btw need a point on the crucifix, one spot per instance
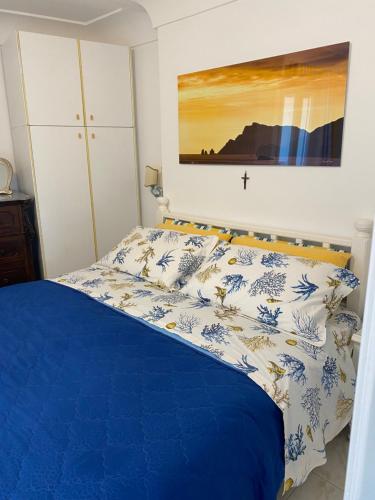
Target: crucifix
(245, 178)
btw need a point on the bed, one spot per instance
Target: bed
(101, 401)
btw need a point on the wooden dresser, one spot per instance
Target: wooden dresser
(17, 239)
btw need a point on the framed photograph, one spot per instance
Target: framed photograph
(286, 110)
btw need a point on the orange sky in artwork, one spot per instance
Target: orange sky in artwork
(306, 89)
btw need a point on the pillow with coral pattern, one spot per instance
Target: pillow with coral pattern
(291, 294)
(166, 258)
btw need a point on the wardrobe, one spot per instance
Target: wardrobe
(71, 114)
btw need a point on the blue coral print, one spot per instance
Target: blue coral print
(234, 282)
(245, 257)
(306, 326)
(347, 277)
(120, 256)
(172, 236)
(200, 302)
(311, 402)
(165, 260)
(218, 253)
(274, 259)
(271, 283)
(295, 368)
(155, 235)
(304, 288)
(170, 298)
(142, 293)
(349, 320)
(104, 297)
(189, 264)
(196, 241)
(330, 376)
(311, 350)
(215, 333)
(244, 365)
(92, 283)
(268, 316)
(186, 323)
(156, 313)
(295, 445)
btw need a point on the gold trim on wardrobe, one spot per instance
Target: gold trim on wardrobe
(87, 151)
(135, 141)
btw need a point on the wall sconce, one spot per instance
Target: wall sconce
(152, 180)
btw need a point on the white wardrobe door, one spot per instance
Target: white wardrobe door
(107, 84)
(114, 184)
(63, 197)
(52, 79)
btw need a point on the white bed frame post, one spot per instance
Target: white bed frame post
(162, 210)
(361, 248)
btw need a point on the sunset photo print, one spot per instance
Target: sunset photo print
(286, 110)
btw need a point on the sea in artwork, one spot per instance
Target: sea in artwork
(285, 110)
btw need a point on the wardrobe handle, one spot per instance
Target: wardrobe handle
(78, 116)
(79, 135)
(93, 136)
(91, 117)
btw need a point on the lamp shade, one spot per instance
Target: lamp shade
(151, 176)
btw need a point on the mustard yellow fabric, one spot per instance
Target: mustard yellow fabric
(321, 254)
(190, 228)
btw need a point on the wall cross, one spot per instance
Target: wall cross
(245, 178)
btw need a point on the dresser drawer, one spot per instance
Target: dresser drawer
(10, 220)
(12, 276)
(12, 249)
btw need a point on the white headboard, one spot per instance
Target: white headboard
(359, 244)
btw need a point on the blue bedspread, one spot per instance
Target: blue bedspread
(97, 405)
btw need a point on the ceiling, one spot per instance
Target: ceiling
(85, 12)
(82, 12)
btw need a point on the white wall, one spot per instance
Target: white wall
(6, 147)
(147, 102)
(314, 199)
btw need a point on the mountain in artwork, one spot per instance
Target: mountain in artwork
(267, 142)
(260, 144)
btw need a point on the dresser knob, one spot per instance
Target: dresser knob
(4, 281)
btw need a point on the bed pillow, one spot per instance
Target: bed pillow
(287, 293)
(340, 259)
(167, 258)
(192, 228)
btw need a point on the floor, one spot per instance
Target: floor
(326, 482)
